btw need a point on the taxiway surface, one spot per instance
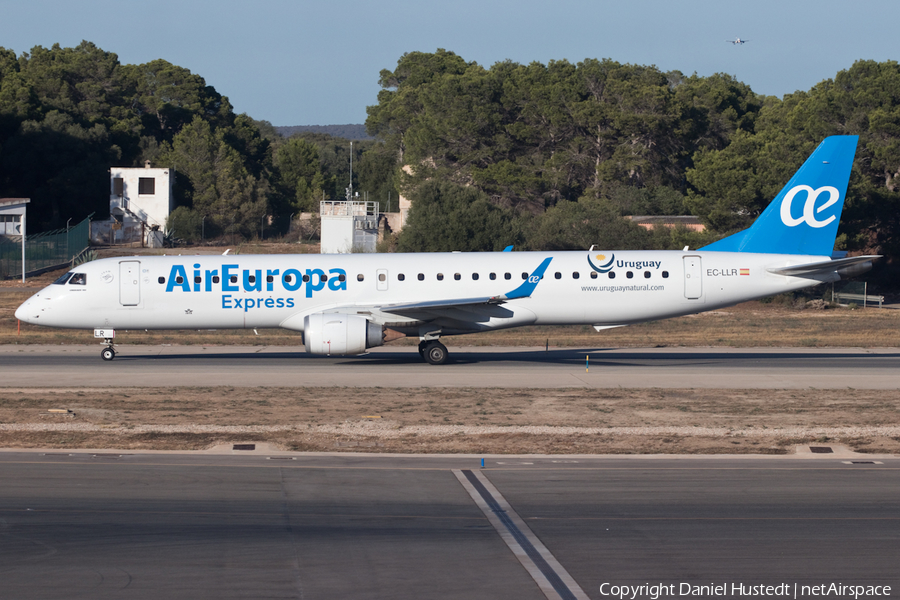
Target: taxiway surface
(772, 368)
(110, 525)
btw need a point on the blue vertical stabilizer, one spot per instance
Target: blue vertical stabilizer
(803, 218)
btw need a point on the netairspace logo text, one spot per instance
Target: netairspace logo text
(737, 590)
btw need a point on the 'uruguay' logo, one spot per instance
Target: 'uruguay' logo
(809, 208)
(605, 267)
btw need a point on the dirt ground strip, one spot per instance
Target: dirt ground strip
(476, 420)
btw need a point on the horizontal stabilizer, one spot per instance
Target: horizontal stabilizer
(823, 267)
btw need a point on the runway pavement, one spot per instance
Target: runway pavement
(257, 525)
(772, 368)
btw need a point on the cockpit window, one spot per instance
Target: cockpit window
(62, 280)
(78, 279)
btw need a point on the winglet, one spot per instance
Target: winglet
(527, 287)
(508, 248)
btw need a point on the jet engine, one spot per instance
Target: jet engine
(334, 333)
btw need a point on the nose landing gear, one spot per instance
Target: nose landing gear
(107, 335)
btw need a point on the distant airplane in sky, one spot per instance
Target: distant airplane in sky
(737, 41)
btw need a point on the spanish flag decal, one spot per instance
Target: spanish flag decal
(745, 271)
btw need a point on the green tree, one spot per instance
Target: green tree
(299, 178)
(446, 217)
(580, 225)
(213, 181)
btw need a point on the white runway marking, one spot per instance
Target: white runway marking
(553, 579)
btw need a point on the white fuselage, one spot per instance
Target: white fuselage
(262, 291)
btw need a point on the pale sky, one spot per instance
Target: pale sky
(298, 62)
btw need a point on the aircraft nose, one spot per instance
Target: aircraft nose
(23, 312)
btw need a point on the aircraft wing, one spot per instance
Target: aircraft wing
(824, 267)
(436, 306)
(523, 291)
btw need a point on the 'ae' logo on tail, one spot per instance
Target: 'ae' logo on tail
(809, 208)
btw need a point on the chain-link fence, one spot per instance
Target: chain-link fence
(43, 250)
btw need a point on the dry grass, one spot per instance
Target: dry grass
(454, 420)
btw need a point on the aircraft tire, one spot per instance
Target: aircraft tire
(107, 354)
(422, 345)
(436, 353)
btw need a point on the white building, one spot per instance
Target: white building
(140, 201)
(348, 226)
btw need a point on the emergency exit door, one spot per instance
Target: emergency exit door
(693, 280)
(130, 282)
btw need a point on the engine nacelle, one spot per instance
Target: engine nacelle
(334, 333)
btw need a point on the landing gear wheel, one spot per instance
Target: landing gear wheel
(422, 345)
(107, 354)
(435, 353)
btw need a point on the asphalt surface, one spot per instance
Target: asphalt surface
(825, 368)
(256, 525)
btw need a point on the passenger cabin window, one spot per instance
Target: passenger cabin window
(269, 279)
(665, 274)
(179, 280)
(360, 277)
(306, 279)
(233, 279)
(215, 278)
(78, 279)
(457, 276)
(287, 279)
(474, 276)
(401, 277)
(646, 274)
(576, 275)
(440, 276)
(507, 276)
(557, 275)
(342, 277)
(612, 274)
(198, 279)
(382, 277)
(62, 280)
(593, 274)
(493, 276)
(161, 280)
(629, 274)
(524, 276)
(421, 276)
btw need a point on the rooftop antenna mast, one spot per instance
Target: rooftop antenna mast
(350, 189)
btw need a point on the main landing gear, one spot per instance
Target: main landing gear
(434, 352)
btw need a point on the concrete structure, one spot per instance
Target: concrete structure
(12, 221)
(348, 226)
(140, 201)
(12, 216)
(649, 222)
